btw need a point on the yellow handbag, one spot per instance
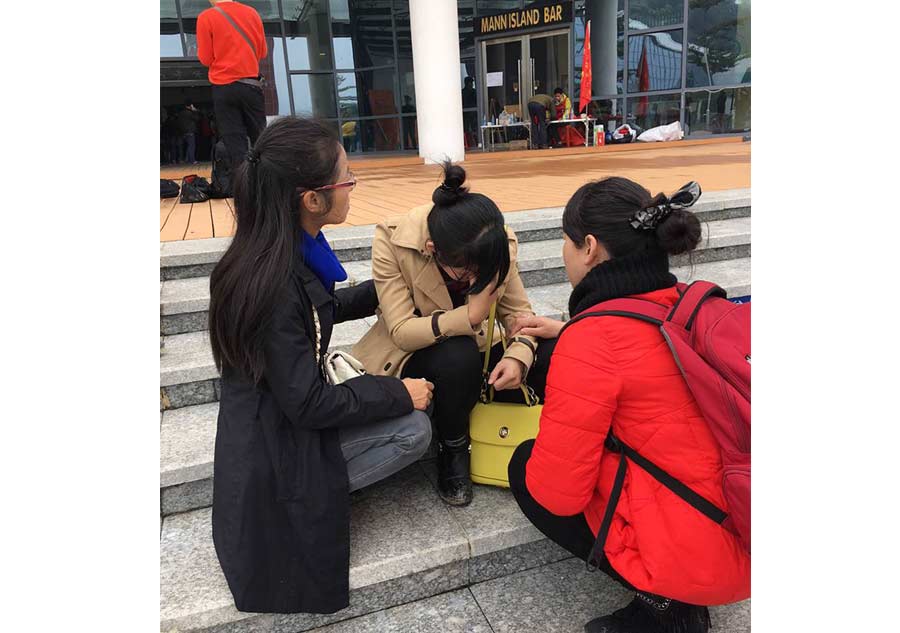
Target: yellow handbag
(497, 428)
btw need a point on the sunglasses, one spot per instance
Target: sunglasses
(338, 185)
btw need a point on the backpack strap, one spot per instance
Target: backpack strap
(639, 309)
(655, 314)
(698, 502)
(685, 310)
(238, 29)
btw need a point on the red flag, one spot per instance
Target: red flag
(643, 83)
(585, 97)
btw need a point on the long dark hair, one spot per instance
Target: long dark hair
(468, 230)
(247, 282)
(605, 209)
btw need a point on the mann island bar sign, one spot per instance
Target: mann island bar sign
(532, 17)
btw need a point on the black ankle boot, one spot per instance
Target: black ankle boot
(649, 613)
(454, 482)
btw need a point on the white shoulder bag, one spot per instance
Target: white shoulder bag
(338, 367)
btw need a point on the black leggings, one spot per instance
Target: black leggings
(572, 533)
(454, 366)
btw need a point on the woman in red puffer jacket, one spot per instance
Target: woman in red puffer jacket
(617, 374)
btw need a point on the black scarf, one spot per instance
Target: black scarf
(622, 277)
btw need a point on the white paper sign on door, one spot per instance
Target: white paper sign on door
(495, 79)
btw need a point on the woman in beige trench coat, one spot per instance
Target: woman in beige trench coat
(438, 270)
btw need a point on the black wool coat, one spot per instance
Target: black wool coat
(281, 509)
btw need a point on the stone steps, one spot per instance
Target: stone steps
(405, 545)
(187, 433)
(416, 563)
(189, 377)
(554, 598)
(196, 258)
(184, 302)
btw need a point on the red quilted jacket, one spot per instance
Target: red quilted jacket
(618, 372)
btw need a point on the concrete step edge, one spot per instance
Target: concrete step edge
(208, 251)
(405, 544)
(186, 358)
(185, 296)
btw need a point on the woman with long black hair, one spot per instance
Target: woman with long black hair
(290, 446)
(438, 271)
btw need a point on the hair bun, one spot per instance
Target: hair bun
(679, 232)
(452, 189)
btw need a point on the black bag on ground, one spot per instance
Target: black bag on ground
(221, 172)
(194, 189)
(168, 188)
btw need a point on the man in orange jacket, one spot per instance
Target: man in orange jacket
(231, 43)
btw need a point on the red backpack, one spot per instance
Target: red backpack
(709, 337)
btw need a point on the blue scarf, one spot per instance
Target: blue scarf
(320, 259)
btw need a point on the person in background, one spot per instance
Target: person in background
(170, 131)
(470, 119)
(410, 136)
(615, 376)
(540, 108)
(290, 446)
(349, 136)
(204, 137)
(188, 120)
(231, 46)
(562, 110)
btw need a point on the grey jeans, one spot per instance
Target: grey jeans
(376, 451)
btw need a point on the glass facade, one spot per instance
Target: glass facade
(682, 60)
(350, 63)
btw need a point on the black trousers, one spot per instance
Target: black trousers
(572, 533)
(454, 367)
(538, 114)
(240, 115)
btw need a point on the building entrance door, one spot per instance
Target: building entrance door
(503, 78)
(514, 69)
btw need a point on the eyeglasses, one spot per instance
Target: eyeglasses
(466, 275)
(338, 185)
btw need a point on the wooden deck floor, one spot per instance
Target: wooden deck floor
(516, 181)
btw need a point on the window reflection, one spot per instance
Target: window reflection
(369, 26)
(610, 113)
(314, 95)
(167, 10)
(308, 37)
(367, 93)
(190, 37)
(607, 46)
(170, 40)
(373, 135)
(496, 6)
(466, 13)
(718, 43)
(717, 112)
(654, 61)
(278, 100)
(649, 14)
(380, 135)
(651, 111)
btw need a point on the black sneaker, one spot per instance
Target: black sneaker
(653, 614)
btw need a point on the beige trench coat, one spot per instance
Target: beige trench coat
(411, 291)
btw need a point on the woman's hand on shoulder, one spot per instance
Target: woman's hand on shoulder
(420, 391)
(539, 327)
